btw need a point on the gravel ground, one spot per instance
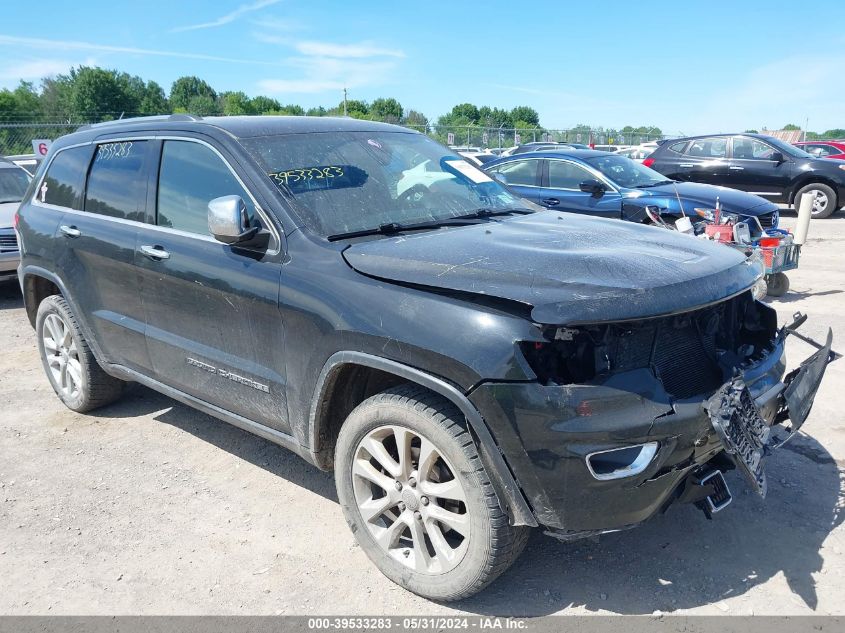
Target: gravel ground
(149, 507)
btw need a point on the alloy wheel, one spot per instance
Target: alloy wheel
(62, 356)
(820, 201)
(410, 499)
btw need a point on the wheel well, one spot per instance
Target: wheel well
(345, 388)
(809, 181)
(35, 290)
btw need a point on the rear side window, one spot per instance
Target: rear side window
(65, 178)
(117, 184)
(191, 175)
(711, 147)
(678, 148)
(520, 172)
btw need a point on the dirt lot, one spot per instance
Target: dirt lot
(149, 507)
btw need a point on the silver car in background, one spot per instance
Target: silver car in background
(14, 182)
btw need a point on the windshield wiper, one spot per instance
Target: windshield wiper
(484, 212)
(655, 184)
(395, 227)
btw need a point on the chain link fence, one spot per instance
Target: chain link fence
(17, 138)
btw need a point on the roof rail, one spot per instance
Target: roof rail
(162, 117)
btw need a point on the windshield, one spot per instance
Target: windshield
(13, 184)
(352, 181)
(786, 148)
(624, 172)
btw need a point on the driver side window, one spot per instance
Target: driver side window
(191, 175)
(566, 175)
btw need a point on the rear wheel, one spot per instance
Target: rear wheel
(417, 498)
(68, 362)
(824, 199)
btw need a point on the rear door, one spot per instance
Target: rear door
(704, 160)
(214, 330)
(522, 175)
(96, 240)
(561, 190)
(753, 170)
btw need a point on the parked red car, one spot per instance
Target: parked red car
(824, 149)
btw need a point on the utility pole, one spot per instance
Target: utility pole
(344, 102)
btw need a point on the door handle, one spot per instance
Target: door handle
(550, 201)
(686, 165)
(156, 253)
(736, 168)
(70, 231)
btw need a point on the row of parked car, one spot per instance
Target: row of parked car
(773, 172)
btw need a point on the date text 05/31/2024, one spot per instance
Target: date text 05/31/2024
(433, 623)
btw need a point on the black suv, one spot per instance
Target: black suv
(759, 164)
(469, 365)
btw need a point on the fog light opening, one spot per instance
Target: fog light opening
(618, 463)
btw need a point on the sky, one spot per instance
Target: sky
(687, 67)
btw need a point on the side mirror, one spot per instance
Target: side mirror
(592, 186)
(777, 157)
(228, 221)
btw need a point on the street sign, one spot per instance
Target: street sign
(485, 139)
(40, 146)
(578, 137)
(516, 138)
(450, 138)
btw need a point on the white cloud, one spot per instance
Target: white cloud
(361, 50)
(53, 45)
(35, 69)
(229, 17)
(325, 74)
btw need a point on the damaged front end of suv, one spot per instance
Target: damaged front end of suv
(653, 368)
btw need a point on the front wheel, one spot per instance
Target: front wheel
(416, 496)
(824, 199)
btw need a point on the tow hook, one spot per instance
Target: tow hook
(708, 491)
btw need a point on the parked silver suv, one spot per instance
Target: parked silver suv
(13, 184)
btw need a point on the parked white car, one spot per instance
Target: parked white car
(14, 182)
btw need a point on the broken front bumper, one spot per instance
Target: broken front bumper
(745, 433)
(549, 432)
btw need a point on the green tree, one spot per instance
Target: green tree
(791, 127)
(752, 132)
(235, 103)
(318, 111)
(21, 104)
(100, 94)
(55, 96)
(466, 111)
(416, 120)
(262, 104)
(526, 115)
(837, 132)
(388, 110)
(153, 100)
(185, 89)
(203, 105)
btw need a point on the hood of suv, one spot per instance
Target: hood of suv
(694, 194)
(568, 268)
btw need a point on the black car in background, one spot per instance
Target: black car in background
(755, 163)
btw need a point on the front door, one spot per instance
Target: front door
(752, 169)
(214, 330)
(562, 190)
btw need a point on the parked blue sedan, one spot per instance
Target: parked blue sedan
(614, 186)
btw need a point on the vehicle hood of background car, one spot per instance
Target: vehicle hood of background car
(695, 194)
(7, 213)
(568, 268)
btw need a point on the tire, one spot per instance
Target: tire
(825, 203)
(70, 365)
(777, 284)
(450, 563)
